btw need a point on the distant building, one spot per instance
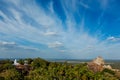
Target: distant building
(16, 63)
(25, 62)
(20, 68)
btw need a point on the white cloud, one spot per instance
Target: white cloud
(84, 5)
(13, 45)
(63, 51)
(50, 7)
(113, 39)
(50, 33)
(7, 43)
(55, 44)
(76, 44)
(28, 48)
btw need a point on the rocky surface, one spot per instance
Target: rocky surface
(98, 64)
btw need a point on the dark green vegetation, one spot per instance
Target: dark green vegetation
(44, 70)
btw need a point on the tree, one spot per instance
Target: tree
(21, 61)
(38, 62)
(11, 74)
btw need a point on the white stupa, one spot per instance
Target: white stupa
(15, 62)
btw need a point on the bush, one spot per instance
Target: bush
(108, 71)
(11, 74)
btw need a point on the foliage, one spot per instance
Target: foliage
(44, 70)
(29, 60)
(38, 62)
(11, 74)
(6, 64)
(21, 61)
(109, 71)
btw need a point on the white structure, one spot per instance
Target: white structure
(25, 62)
(15, 62)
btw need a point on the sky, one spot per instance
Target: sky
(60, 29)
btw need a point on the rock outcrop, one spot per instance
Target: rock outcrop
(96, 65)
(99, 61)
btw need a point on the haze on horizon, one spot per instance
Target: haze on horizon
(64, 29)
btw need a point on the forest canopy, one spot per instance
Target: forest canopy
(40, 69)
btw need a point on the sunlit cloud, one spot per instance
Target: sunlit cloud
(113, 39)
(55, 44)
(48, 33)
(39, 25)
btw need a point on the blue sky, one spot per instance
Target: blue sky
(63, 29)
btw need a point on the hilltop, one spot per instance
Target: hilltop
(40, 69)
(98, 64)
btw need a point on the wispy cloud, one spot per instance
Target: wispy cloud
(113, 39)
(13, 46)
(55, 44)
(35, 24)
(84, 5)
(7, 43)
(50, 33)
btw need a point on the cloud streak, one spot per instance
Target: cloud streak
(37, 25)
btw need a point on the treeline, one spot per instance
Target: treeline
(44, 70)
